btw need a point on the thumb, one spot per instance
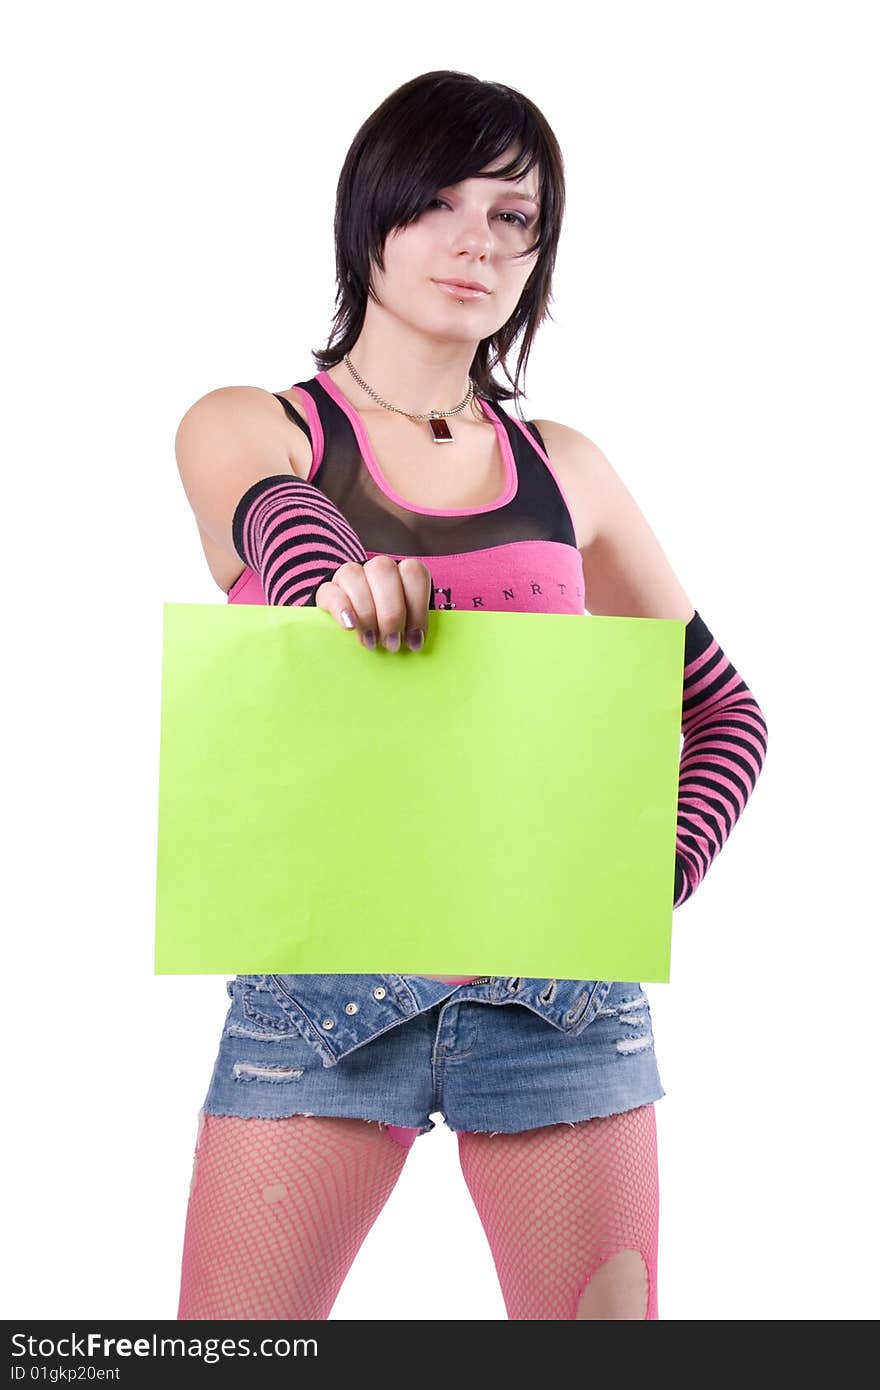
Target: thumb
(333, 600)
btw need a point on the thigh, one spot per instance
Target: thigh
(277, 1211)
(558, 1203)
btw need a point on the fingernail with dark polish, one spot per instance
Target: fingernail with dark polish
(414, 639)
(370, 639)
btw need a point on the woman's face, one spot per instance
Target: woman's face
(469, 231)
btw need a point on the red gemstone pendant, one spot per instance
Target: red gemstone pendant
(440, 430)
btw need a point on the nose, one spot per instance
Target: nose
(474, 236)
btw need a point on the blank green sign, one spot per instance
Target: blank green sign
(501, 803)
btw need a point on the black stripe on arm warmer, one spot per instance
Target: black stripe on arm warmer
(724, 748)
(294, 538)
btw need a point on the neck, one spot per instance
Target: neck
(408, 369)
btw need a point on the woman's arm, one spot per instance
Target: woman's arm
(725, 744)
(293, 537)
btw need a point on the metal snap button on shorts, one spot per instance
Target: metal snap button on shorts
(499, 1054)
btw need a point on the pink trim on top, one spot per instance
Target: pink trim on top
(554, 475)
(314, 422)
(239, 583)
(357, 424)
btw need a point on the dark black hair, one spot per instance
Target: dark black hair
(439, 129)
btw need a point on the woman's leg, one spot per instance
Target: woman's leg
(571, 1215)
(278, 1210)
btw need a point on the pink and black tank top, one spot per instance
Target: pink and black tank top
(517, 554)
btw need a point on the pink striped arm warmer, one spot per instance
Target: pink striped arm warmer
(294, 538)
(724, 747)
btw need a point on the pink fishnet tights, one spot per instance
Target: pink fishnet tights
(278, 1210)
(559, 1201)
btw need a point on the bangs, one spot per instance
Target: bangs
(415, 171)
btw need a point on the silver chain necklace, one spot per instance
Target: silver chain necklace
(436, 419)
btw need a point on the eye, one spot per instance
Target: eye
(518, 220)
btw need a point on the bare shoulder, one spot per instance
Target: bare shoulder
(626, 572)
(255, 413)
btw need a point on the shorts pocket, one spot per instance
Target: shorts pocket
(262, 1034)
(596, 997)
(259, 1006)
(261, 1011)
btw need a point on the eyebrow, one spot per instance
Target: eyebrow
(529, 197)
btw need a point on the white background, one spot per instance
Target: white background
(172, 173)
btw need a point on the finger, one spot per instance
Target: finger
(349, 590)
(418, 588)
(389, 599)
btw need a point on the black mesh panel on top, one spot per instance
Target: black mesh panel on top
(536, 512)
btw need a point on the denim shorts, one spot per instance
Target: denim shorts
(478, 1058)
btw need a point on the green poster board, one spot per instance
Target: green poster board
(502, 802)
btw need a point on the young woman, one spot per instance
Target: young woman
(392, 483)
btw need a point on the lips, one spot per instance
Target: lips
(465, 284)
(459, 293)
